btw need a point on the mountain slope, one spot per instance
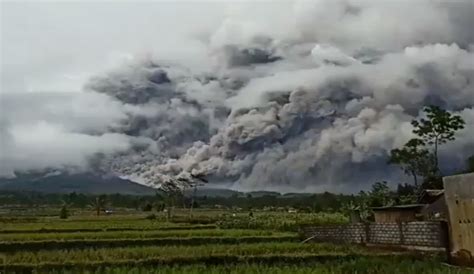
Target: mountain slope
(81, 183)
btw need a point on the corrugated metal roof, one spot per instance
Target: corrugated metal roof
(399, 207)
(428, 196)
(433, 192)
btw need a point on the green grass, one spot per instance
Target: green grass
(20, 237)
(113, 243)
(354, 266)
(138, 253)
(224, 219)
(99, 223)
(154, 227)
(280, 220)
(227, 243)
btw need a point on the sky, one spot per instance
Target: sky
(276, 95)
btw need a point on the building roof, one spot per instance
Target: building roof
(433, 192)
(398, 207)
(428, 196)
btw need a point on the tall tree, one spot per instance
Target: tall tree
(172, 189)
(438, 128)
(192, 180)
(413, 158)
(198, 180)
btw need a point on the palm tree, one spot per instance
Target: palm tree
(172, 191)
(99, 203)
(198, 180)
(175, 188)
(192, 181)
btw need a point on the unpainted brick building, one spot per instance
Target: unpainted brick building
(459, 195)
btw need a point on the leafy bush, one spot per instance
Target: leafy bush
(151, 217)
(63, 213)
(147, 207)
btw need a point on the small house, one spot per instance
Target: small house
(400, 213)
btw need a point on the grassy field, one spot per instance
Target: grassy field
(355, 266)
(223, 219)
(184, 251)
(207, 242)
(76, 224)
(184, 233)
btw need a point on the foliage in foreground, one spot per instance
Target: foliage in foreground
(361, 266)
(114, 243)
(138, 253)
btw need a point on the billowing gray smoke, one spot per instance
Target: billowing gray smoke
(309, 101)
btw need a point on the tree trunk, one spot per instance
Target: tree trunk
(415, 179)
(192, 201)
(97, 206)
(183, 197)
(436, 155)
(169, 213)
(171, 203)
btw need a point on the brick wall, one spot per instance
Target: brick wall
(433, 234)
(426, 234)
(353, 233)
(384, 233)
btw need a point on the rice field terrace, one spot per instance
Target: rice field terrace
(51, 224)
(343, 266)
(221, 243)
(205, 218)
(147, 234)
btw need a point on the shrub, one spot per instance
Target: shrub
(147, 207)
(64, 212)
(151, 217)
